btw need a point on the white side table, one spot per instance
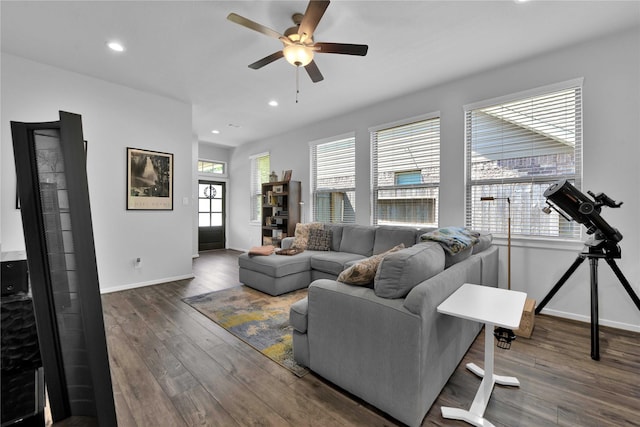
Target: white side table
(494, 307)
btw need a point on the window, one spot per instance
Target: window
(333, 180)
(260, 166)
(406, 172)
(212, 167)
(516, 147)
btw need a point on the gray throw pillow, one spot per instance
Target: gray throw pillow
(319, 240)
(401, 271)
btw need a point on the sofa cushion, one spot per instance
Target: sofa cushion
(319, 240)
(400, 271)
(483, 243)
(298, 315)
(450, 259)
(302, 234)
(332, 262)
(336, 235)
(358, 239)
(363, 272)
(276, 265)
(389, 236)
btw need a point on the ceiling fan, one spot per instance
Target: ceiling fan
(298, 44)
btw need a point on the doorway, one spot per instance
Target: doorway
(211, 215)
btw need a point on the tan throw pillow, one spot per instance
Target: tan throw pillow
(364, 272)
(302, 234)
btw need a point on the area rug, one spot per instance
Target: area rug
(258, 319)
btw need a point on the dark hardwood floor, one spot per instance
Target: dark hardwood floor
(171, 366)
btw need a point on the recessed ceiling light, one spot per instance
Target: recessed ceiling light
(216, 131)
(273, 103)
(116, 46)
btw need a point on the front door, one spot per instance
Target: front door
(211, 215)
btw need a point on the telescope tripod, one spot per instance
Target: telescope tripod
(603, 250)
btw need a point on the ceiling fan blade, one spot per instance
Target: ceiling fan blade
(342, 48)
(313, 14)
(245, 22)
(314, 72)
(266, 60)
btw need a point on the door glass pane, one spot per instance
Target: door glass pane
(203, 220)
(217, 191)
(201, 190)
(203, 205)
(216, 205)
(216, 219)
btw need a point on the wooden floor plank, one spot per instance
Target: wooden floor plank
(171, 365)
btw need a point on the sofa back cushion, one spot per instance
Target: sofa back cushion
(358, 239)
(400, 271)
(388, 237)
(483, 244)
(336, 235)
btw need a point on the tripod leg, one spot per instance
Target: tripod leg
(595, 326)
(624, 281)
(558, 285)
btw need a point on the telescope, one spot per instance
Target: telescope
(569, 202)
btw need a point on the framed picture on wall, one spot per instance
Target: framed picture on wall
(149, 180)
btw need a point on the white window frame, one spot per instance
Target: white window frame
(224, 174)
(313, 168)
(375, 188)
(255, 189)
(499, 208)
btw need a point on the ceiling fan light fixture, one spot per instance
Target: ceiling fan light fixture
(298, 54)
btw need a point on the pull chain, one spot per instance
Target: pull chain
(297, 82)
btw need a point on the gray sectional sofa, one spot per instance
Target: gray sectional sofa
(395, 353)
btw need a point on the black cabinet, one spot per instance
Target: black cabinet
(22, 376)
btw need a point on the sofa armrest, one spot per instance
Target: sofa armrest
(368, 345)
(424, 299)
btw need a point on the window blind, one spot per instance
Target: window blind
(515, 150)
(260, 166)
(333, 180)
(406, 173)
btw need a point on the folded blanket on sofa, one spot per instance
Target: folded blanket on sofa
(453, 239)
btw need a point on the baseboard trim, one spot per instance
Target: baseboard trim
(587, 319)
(110, 289)
(239, 249)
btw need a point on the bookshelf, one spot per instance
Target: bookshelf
(280, 211)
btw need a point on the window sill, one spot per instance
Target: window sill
(540, 243)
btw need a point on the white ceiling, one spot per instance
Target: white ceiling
(187, 50)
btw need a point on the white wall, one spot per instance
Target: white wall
(114, 117)
(611, 70)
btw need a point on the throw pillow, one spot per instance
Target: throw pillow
(319, 240)
(363, 272)
(302, 234)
